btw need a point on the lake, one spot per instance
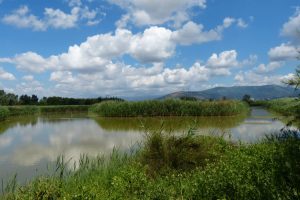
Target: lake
(29, 145)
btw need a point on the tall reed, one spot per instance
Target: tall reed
(169, 108)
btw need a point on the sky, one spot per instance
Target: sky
(143, 48)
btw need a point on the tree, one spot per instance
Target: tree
(34, 99)
(295, 81)
(25, 99)
(247, 98)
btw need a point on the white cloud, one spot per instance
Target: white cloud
(193, 33)
(6, 75)
(30, 61)
(239, 77)
(154, 45)
(23, 19)
(73, 3)
(223, 60)
(28, 78)
(116, 78)
(227, 22)
(262, 68)
(287, 77)
(62, 77)
(58, 19)
(30, 87)
(52, 18)
(121, 79)
(252, 78)
(292, 27)
(155, 12)
(284, 52)
(241, 23)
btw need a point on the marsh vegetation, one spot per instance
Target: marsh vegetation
(169, 107)
(178, 167)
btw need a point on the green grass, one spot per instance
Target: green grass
(3, 113)
(63, 109)
(178, 167)
(9, 111)
(22, 110)
(285, 106)
(169, 108)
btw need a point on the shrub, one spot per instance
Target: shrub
(3, 113)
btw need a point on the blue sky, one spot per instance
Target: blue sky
(135, 48)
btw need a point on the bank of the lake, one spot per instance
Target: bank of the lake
(284, 106)
(9, 111)
(169, 107)
(179, 167)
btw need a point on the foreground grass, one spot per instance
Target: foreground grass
(8, 111)
(179, 167)
(169, 107)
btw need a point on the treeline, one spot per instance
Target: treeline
(10, 99)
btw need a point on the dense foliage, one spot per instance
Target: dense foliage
(9, 99)
(3, 113)
(169, 107)
(295, 81)
(285, 106)
(179, 167)
(75, 101)
(8, 111)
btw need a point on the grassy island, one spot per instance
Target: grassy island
(169, 107)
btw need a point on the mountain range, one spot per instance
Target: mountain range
(237, 92)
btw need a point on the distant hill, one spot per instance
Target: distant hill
(237, 92)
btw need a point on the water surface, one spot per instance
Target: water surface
(29, 144)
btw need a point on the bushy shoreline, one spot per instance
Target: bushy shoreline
(169, 107)
(9, 111)
(284, 106)
(179, 167)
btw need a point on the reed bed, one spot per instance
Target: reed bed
(3, 113)
(169, 108)
(64, 109)
(285, 106)
(9, 111)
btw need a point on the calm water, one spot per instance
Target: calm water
(28, 145)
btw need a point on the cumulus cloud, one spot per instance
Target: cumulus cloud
(52, 18)
(241, 23)
(30, 87)
(117, 78)
(263, 68)
(4, 75)
(223, 60)
(30, 61)
(121, 79)
(193, 33)
(155, 12)
(58, 19)
(28, 78)
(153, 45)
(23, 19)
(284, 52)
(253, 78)
(292, 27)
